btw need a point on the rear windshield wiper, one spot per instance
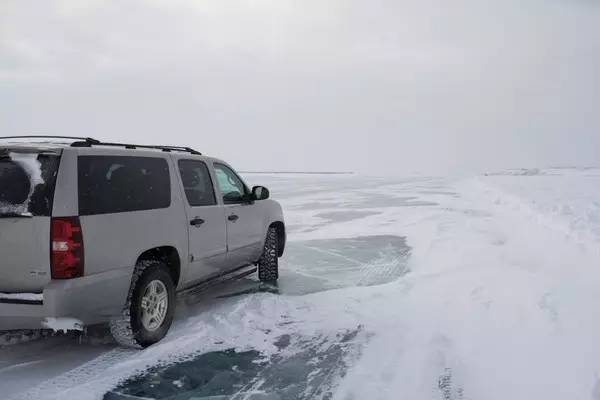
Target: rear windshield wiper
(16, 215)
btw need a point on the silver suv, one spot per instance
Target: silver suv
(94, 232)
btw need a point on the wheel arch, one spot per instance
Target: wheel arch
(166, 254)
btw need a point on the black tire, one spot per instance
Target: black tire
(268, 265)
(127, 328)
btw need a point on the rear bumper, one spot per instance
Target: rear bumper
(91, 299)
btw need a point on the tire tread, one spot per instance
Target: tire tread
(268, 265)
(121, 326)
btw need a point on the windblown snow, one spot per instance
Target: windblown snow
(33, 169)
(22, 296)
(29, 162)
(422, 288)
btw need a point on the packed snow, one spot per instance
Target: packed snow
(63, 324)
(422, 288)
(30, 164)
(22, 296)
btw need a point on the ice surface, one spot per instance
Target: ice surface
(302, 373)
(488, 291)
(518, 172)
(336, 263)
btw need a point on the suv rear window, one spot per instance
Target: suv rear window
(27, 183)
(115, 184)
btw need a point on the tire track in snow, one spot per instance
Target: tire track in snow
(53, 388)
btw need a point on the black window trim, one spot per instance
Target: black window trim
(210, 178)
(246, 189)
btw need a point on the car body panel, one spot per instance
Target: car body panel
(24, 239)
(90, 299)
(245, 233)
(25, 268)
(115, 241)
(207, 241)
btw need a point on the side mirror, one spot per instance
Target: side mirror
(260, 193)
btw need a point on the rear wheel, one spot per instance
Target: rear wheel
(268, 265)
(148, 313)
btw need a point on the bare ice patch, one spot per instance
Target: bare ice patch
(317, 265)
(302, 368)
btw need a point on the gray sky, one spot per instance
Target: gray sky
(374, 86)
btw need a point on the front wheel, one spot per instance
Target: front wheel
(268, 265)
(148, 314)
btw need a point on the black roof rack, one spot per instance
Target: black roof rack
(89, 142)
(87, 139)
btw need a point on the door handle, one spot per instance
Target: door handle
(233, 218)
(197, 221)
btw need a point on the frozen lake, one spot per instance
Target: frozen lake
(421, 288)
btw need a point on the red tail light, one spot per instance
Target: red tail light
(66, 248)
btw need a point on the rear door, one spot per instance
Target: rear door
(27, 183)
(129, 203)
(243, 217)
(206, 220)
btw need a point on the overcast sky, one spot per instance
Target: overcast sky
(374, 86)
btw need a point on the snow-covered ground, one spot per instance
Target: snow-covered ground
(422, 288)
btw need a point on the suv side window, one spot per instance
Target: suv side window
(232, 187)
(114, 184)
(197, 183)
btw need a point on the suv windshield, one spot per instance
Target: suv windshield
(27, 183)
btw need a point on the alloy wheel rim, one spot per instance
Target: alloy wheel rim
(155, 303)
